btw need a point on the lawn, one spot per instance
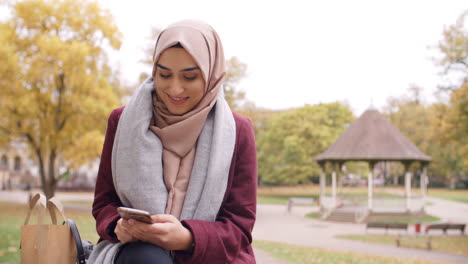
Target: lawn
(281, 194)
(13, 216)
(304, 255)
(447, 244)
(454, 195)
(403, 219)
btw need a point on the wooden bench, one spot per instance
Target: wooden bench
(387, 226)
(298, 200)
(418, 238)
(446, 226)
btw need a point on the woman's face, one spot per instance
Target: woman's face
(179, 81)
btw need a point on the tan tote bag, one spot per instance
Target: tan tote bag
(47, 243)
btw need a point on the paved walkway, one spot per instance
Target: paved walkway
(295, 229)
(273, 224)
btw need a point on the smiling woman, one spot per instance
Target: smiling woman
(178, 152)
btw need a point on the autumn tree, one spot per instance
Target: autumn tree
(294, 137)
(148, 52)
(236, 70)
(454, 50)
(54, 81)
(451, 118)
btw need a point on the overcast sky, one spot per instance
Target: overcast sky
(307, 52)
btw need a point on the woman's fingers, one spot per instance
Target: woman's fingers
(123, 235)
(163, 218)
(167, 232)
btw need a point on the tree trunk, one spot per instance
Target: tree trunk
(52, 182)
(453, 181)
(48, 180)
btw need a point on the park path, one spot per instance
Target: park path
(274, 224)
(295, 229)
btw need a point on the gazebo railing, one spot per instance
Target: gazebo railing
(328, 202)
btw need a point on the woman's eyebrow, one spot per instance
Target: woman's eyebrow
(190, 69)
(183, 70)
(163, 67)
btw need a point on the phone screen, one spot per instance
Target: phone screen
(138, 215)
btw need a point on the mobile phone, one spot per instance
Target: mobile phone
(138, 215)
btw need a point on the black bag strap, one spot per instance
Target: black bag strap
(80, 254)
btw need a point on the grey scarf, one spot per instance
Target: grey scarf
(137, 165)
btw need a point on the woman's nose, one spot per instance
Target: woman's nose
(175, 87)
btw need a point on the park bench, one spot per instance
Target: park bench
(417, 238)
(299, 200)
(446, 226)
(387, 226)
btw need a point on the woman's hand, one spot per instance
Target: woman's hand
(167, 232)
(122, 233)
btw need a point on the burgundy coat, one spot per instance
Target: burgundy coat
(228, 239)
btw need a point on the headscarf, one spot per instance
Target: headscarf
(179, 134)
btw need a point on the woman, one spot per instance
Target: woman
(177, 151)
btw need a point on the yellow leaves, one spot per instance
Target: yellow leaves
(85, 148)
(68, 19)
(54, 77)
(32, 14)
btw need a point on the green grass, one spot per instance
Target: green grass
(313, 215)
(271, 199)
(13, 216)
(404, 220)
(447, 244)
(88, 204)
(454, 195)
(304, 255)
(281, 194)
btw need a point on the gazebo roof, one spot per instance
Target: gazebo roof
(372, 138)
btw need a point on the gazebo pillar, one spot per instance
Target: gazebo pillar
(407, 185)
(323, 180)
(424, 181)
(334, 185)
(370, 185)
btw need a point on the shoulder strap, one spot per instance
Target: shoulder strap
(80, 254)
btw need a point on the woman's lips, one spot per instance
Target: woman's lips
(177, 100)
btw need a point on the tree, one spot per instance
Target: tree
(235, 72)
(454, 49)
(55, 81)
(148, 51)
(446, 151)
(410, 116)
(293, 138)
(432, 129)
(451, 118)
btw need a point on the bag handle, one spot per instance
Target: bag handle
(53, 205)
(42, 206)
(80, 254)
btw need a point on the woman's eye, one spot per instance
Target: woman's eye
(190, 77)
(164, 76)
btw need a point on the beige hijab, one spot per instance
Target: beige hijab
(179, 134)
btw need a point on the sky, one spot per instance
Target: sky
(306, 52)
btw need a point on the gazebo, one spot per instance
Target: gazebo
(371, 138)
